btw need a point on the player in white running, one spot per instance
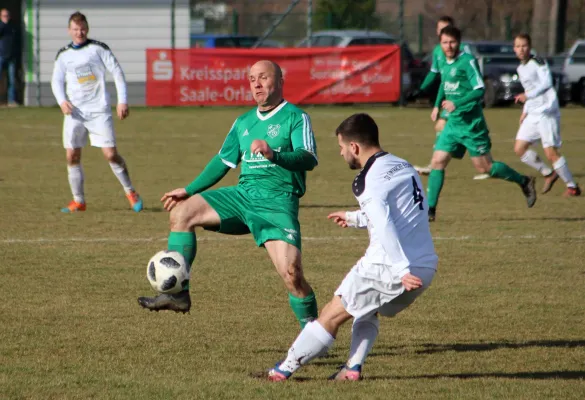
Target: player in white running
(79, 85)
(540, 119)
(398, 265)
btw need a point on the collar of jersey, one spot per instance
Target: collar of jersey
(271, 113)
(77, 47)
(455, 59)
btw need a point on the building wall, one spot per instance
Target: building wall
(128, 27)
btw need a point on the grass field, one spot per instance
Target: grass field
(504, 318)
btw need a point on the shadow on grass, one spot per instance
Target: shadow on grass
(569, 375)
(431, 348)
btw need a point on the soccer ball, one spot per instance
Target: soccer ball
(166, 271)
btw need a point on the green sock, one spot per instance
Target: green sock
(435, 185)
(502, 171)
(186, 244)
(305, 309)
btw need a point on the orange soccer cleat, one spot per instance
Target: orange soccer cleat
(73, 207)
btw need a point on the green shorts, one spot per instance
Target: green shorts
(266, 215)
(457, 138)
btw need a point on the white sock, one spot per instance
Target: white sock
(532, 159)
(312, 341)
(563, 170)
(121, 173)
(363, 335)
(75, 175)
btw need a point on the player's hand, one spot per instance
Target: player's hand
(66, 107)
(435, 114)
(448, 105)
(522, 118)
(174, 197)
(339, 218)
(261, 147)
(122, 111)
(521, 98)
(411, 282)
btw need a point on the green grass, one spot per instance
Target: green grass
(504, 317)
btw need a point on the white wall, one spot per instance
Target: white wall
(128, 27)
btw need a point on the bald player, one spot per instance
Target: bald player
(276, 147)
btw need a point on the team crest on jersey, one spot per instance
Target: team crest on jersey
(453, 71)
(84, 74)
(273, 130)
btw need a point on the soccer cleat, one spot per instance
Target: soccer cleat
(432, 213)
(549, 181)
(135, 201)
(277, 375)
(573, 191)
(481, 176)
(346, 373)
(422, 170)
(74, 207)
(529, 191)
(180, 302)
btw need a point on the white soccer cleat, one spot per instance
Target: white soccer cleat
(481, 176)
(422, 170)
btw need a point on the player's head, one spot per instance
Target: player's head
(4, 15)
(78, 28)
(443, 22)
(522, 46)
(266, 83)
(356, 135)
(450, 38)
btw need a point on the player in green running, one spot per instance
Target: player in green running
(276, 146)
(438, 61)
(460, 93)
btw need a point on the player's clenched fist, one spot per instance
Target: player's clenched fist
(174, 197)
(262, 147)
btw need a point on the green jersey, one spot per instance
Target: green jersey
(286, 129)
(462, 83)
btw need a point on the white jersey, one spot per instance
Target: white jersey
(79, 75)
(541, 96)
(395, 212)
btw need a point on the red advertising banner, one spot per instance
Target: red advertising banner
(364, 74)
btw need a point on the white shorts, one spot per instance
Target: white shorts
(79, 125)
(368, 289)
(545, 128)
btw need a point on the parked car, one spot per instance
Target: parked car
(350, 37)
(575, 70)
(209, 40)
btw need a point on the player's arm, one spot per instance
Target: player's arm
(378, 212)
(440, 95)
(304, 154)
(544, 80)
(476, 82)
(114, 68)
(432, 75)
(227, 158)
(356, 219)
(58, 87)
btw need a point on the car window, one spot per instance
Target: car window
(383, 41)
(225, 42)
(246, 42)
(326, 41)
(360, 41)
(495, 49)
(580, 50)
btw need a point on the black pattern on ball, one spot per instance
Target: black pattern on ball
(169, 284)
(152, 272)
(170, 262)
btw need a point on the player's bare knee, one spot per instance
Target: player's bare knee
(440, 125)
(181, 219)
(519, 150)
(294, 276)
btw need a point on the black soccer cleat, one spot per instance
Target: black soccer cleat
(432, 214)
(529, 191)
(180, 302)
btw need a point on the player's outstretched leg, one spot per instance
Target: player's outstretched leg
(120, 169)
(436, 180)
(531, 158)
(439, 126)
(562, 169)
(76, 178)
(315, 339)
(194, 211)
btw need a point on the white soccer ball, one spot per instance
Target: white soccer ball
(166, 271)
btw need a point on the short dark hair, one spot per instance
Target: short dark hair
(447, 19)
(524, 36)
(360, 128)
(78, 18)
(451, 31)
